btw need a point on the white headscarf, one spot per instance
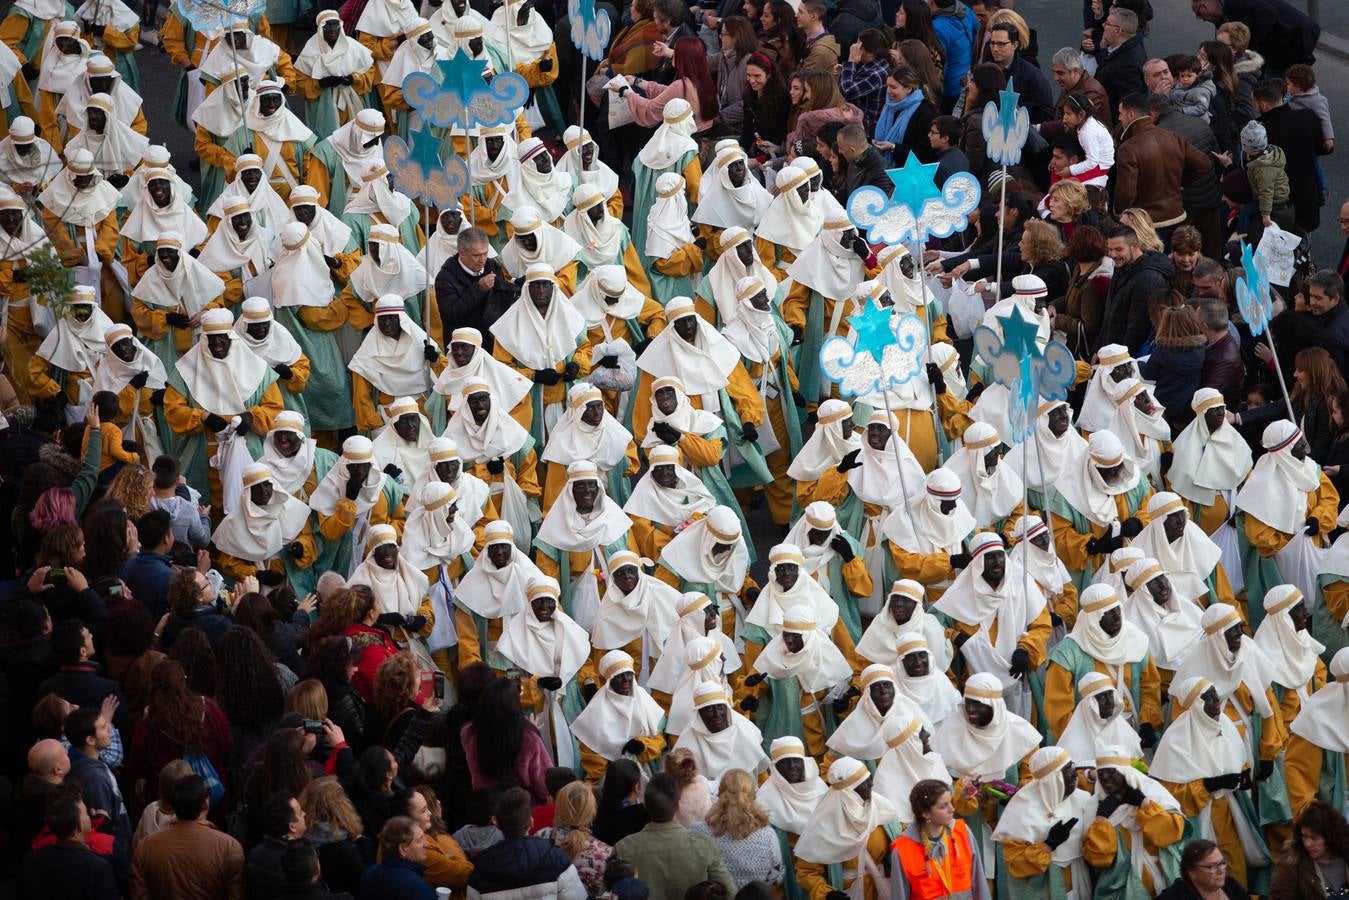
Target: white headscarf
(149, 221)
(398, 272)
(189, 287)
(667, 223)
(704, 661)
(332, 233)
(59, 71)
(1196, 745)
(818, 516)
(566, 529)
(411, 56)
(289, 472)
(989, 496)
(221, 386)
(441, 246)
(672, 139)
(668, 506)
(256, 533)
(1129, 646)
(648, 612)
(540, 341)
(507, 386)
(790, 221)
(79, 206)
(880, 480)
(689, 555)
(929, 530)
(685, 417)
(1045, 566)
(1049, 455)
(222, 112)
(1125, 815)
(775, 602)
(549, 193)
(1188, 560)
(1141, 433)
(394, 366)
(108, 12)
(492, 592)
(278, 128)
(789, 805)
(738, 746)
(594, 293)
(1040, 804)
(332, 489)
(258, 56)
(73, 345)
(904, 763)
(300, 276)
(225, 251)
(722, 205)
(605, 444)
(1012, 606)
(1082, 486)
(1205, 462)
(703, 366)
(430, 538)
(118, 149)
(841, 825)
(349, 141)
(859, 734)
(599, 175)
(1321, 720)
(520, 44)
(472, 493)
(40, 166)
(398, 590)
(724, 278)
(269, 208)
(555, 248)
(1292, 654)
(932, 693)
(414, 457)
(505, 168)
(828, 444)
(611, 719)
(1173, 628)
(990, 751)
(113, 374)
(387, 18)
(818, 666)
(1086, 731)
(1226, 670)
(1276, 490)
(602, 242)
(499, 434)
(1098, 406)
(828, 267)
(673, 668)
(374, 195)
(347, 56)
(558, 647)
(278, 346)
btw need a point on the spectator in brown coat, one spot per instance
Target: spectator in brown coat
(189, 860)
(1151, 165)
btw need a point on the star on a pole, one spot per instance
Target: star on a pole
(914, 184)
(425, 151)
(1019, 334)
(462, 76)
(872, 326)
(1008, 99)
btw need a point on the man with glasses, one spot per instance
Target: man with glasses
(1119, 62)
(1280, 32)
(1036, 94)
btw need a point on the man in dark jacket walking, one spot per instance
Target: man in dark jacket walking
(1280, 32)
(865, 163)
(1120, 61)
(472, 291)
(1297, 132)
(1138, 275)
(520, 861)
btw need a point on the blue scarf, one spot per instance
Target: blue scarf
(895, 117)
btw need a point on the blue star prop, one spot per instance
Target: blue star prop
(872, 325)
(1008, 99)
(425, 150)
(463, 76)
(914, 183)
(1018, 334)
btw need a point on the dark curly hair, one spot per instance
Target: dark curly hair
(1325, 821)
(173, 708)
(248, 688)
(105, 541)
(284, 767)
(192, 650)
(328, 660)
(343, 609)
(130, 631)
(395, 684)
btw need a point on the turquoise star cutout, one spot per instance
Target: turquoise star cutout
(872, 325)
(1007, 103)
(425, 152)
(585, 11)
(914, 184)
(463, 77)
(1018, 334)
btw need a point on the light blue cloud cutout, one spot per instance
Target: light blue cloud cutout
(212, 15)
(1005, 127)
(916, 208)
(1254, 301)
(590, 28)
(419, 173)
(458, 94)
(885, 351)
(1018, 364)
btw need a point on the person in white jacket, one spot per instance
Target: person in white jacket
(1098, 147)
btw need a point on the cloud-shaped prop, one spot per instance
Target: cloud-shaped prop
(462, 96)
(916, 209)
(211, 15)
(1254, 300)
(1018, 364)
(589, 28)
(1006, 127)
(885, 351)
(418, 172)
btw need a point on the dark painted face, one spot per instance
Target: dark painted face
(500, 554)
(803, 191)
(883, 695)
(665, 475)
(258, 331)
(1121, 372)
(251, 177)
(1143, 403)
(100, 84)
(621, 684)
(451, 220)
(1105, 704)
(426, 41)
(885, 301)
(1232, 636)
(925, 739)
(1174, 525)
(494, 144)
(906, 266)
(543, 162)
(596, 213)
(447, 470)
(917, 664)
(479, 406)
(97, 119)
(84, 182)
(594, 414)
(816, 181)
(817, 536)
(719, 550)
(475, 48)
(242, 224)
(459, 6)
(461, 353)
(541, 294)
(389, 325)
(716, 718)
(261, 493)
(744, 251)
(686, 327)
(863, 790)
(786, 574)
(375, 250)
(709, 618)
(408, 426)
(587, 154)
(946, 507)
(878, 435)
(528, 242)
(544, 606)
(902, 608)
(585, 492)
(1058, 421)
(1300, 449)
(1160, 589)
(26, 149)
(332, 30)
(241, 87)
(160, 191)
(219, 345)
(794, 642)
(386, 556)
(846, 427)
(1301, 615)
(67, 45)
(978, 714)
(1041, 540)
(995, 566)
(270, 102)
(82, 312)
(305, 213)
(359, 471)
(11, 219)
(1111, 781)
(1069, 780)
(1213, 706)
(240, 39)
(737, 172)
(287, 443)
(1215, 418)
(370, 143)
(626, 578)
(760, 301)
(1112, 620)
(792, 769)
(991, 461)
(1111, 474)
(666, 400)
(125, 349)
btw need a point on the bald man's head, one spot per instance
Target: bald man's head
(48, 761)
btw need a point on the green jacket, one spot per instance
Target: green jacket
(1269, 181)
(673, 859)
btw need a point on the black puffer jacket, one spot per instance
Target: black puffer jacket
(1205, 192)
(1126, 306)
(850, 18)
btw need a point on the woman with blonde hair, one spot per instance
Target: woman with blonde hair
(821, 103)
(574, 816)
(1067, 206)
(739, 827)
(1140, 220)
(695, 791)
(309, 699)
(447, 865)
(1043, 255)
(132, 485)
(334, 826)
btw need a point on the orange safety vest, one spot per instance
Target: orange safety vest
(929, 880)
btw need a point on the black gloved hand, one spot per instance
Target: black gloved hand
(157, 397)
(194, 252)
(138, 380)
(1058, 833)
(836, 895)
(20, 275)
(749, 704)
(1147, 735)
(393, 471)
(975, 390)
(755, 679)
(414, 623)
(389, 619)
(609, 361)
(1107, 806)
(1165, 460)
(861, 248)
(97, 29)
(1229, 782)
(1313, 526)
(214, 423)
(348, 79)
(799, 399)
(842, 547)
(283, 371)
(798, 335)
(1104, 544)
(749, 432)
(1131, 527)
(753, 594)
(1020, 664)
(700, 242)
(296, 550)
(1266, 770)
(353, 486)
(546, 64)
(547, 377)
(118, 180)
(30, 71)
(842, 703)
(430, 352)
(1134, 797)
(935, 378)
(178, 320)
(589, 690)
(245, 422)
(496, 466)
(550, 682)
(332, 262)
(571, 371)
(633, 747)
(959, 560)
(667, 432)
(849, 461)
(268, 578)
(1055, 620)
(959, 639)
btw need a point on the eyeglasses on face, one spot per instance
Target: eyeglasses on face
(993, 43)
(1213, 867)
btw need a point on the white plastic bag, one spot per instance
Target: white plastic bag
(444, 634)
(965, 307)
(230, 460)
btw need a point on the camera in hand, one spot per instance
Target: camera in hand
(312, 726)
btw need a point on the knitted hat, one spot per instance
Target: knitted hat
(1253, 138)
